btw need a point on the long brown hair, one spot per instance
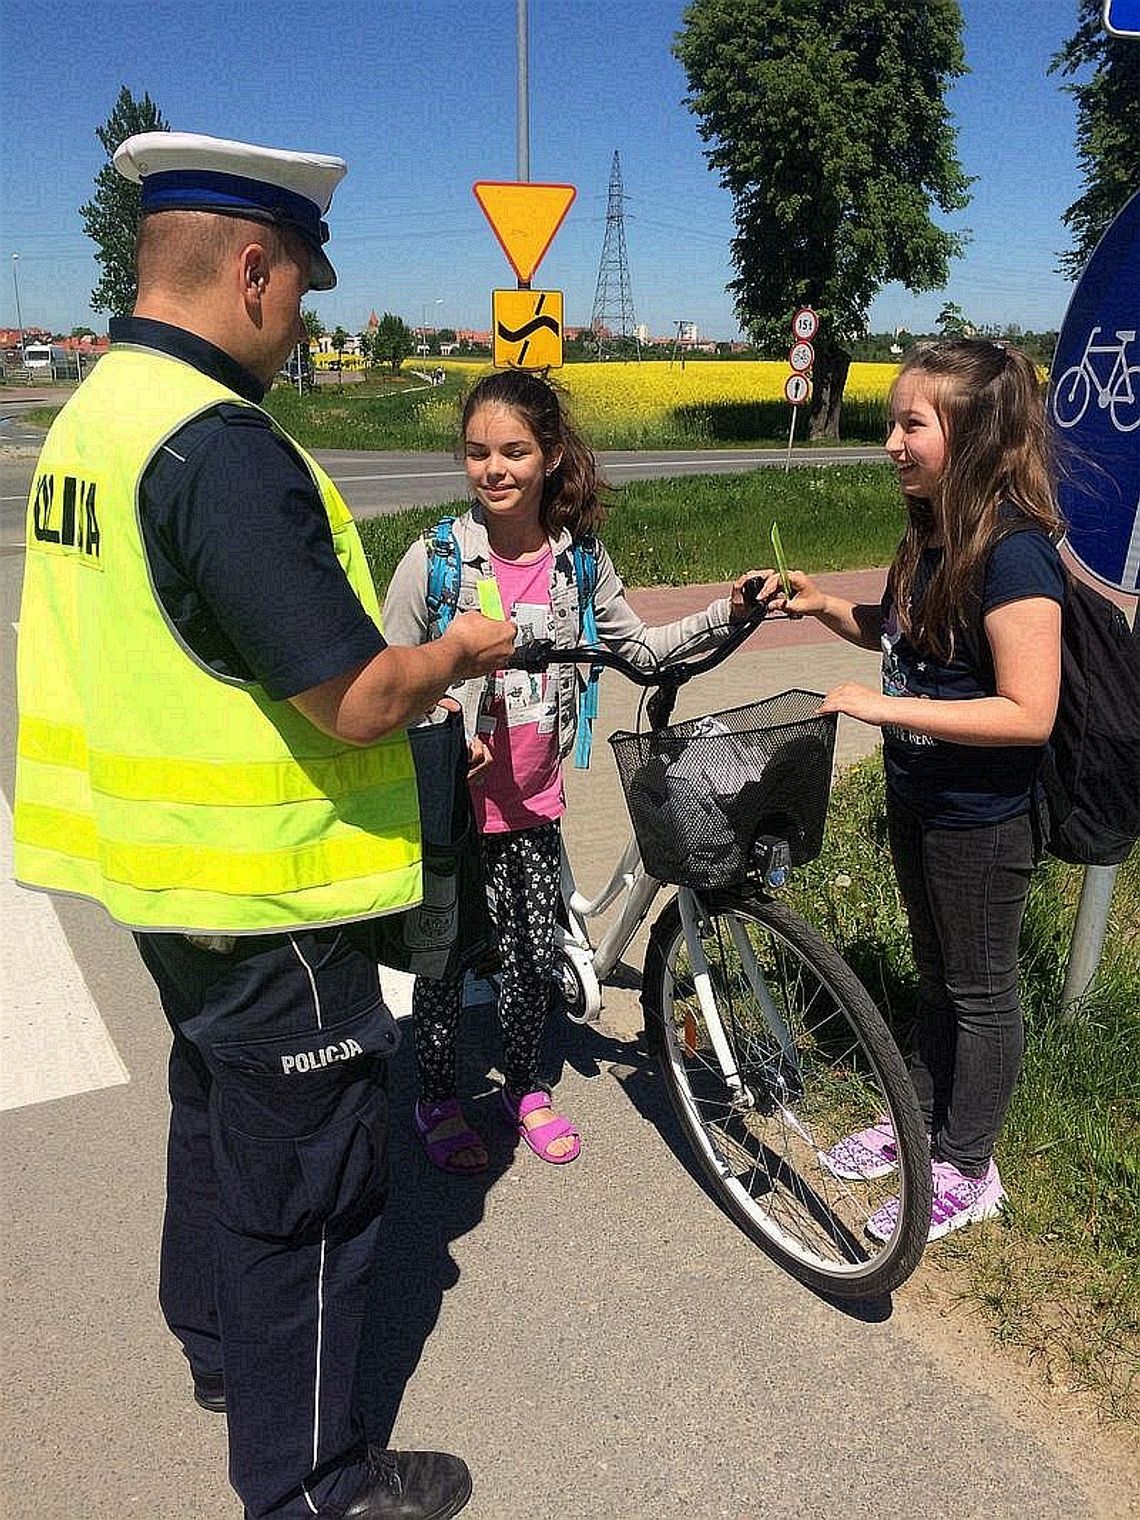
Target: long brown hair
(573, 493)
(998, 454)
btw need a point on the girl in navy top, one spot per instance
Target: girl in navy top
(970, 631)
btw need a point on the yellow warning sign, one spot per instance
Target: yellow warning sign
(527, 329)
(524, 218)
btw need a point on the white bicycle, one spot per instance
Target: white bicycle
(770, 1047)
(1120, 392)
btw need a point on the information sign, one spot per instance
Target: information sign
(1095, 401)
(526, 327)
(524, 217)
(1122, 17)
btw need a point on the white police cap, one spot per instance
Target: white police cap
(185, 171)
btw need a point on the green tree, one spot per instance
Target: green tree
(1108, 128)
(393, 342)
(828, 126)
(111, 216)
(952, 322)
(313, 324)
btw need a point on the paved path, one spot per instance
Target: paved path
(597, 1340)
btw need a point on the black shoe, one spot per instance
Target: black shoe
(210, 1391)
(411, 1485)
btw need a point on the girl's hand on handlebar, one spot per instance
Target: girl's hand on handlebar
(747, 591)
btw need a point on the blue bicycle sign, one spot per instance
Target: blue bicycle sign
(1094, 403)
(1119, 390)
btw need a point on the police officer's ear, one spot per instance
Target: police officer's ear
(254, 271)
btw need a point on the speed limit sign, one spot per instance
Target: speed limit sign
(801, 356)
(805, 323)
(796, 389)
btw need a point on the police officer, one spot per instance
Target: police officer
(212, 746)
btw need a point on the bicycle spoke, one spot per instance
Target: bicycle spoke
(809, 1080)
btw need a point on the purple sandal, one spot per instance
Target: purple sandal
(542, 1136)
(427, 1117)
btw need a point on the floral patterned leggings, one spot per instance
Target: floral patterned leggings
(523, 872)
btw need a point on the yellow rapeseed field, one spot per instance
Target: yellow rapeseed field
(655, 398)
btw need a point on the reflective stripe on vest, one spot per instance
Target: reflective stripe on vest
(177, 798)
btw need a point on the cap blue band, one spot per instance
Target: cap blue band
(209, 190)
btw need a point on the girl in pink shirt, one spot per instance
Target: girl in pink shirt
(537, 492)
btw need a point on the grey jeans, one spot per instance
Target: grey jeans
(964, 891)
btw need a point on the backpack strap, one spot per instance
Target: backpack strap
(586, 580)
(444, 571)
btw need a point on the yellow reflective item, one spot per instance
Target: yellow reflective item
(177, 798)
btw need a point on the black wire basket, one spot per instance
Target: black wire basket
(701, 792)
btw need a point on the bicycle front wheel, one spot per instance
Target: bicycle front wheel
(793, 1059)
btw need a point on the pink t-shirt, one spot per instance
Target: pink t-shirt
(523, 787)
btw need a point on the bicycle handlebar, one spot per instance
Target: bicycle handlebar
(539, 654)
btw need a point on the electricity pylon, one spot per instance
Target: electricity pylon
(613, 299)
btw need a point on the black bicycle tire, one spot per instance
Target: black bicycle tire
(890, 1268)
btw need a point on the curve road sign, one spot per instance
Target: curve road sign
(1094, 401)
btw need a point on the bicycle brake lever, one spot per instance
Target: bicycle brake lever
(534, 654)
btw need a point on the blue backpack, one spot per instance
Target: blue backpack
(444, 572)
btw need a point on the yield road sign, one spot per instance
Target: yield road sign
(526, 326)
(524, 218)
(796, 389)
(801, 356)
(1095, 398)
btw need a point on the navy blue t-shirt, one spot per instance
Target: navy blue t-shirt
(963, 785)
(238, 542)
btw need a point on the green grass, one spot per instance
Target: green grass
(403, 413)
(1057, 1275)
(711, 527)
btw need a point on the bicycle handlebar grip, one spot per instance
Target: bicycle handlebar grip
(534, 654)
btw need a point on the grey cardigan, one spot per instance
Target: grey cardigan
(405, 617)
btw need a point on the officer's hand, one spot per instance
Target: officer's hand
(481, 644)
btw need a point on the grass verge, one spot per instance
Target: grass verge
(711, 527)
(1057, 1274)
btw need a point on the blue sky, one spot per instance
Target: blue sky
(419, 97)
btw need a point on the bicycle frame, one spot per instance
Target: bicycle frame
(593, 963)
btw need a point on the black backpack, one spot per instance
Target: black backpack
(1090, 771)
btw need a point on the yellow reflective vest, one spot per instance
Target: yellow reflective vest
(178, 798)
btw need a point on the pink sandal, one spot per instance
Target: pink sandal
(542, 1136)
(427, 1117)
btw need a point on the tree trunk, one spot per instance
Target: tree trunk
(829, 376)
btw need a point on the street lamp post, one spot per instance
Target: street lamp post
(16, 284)
(423, 322)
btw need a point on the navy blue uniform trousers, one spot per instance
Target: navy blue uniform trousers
(276, 1180)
